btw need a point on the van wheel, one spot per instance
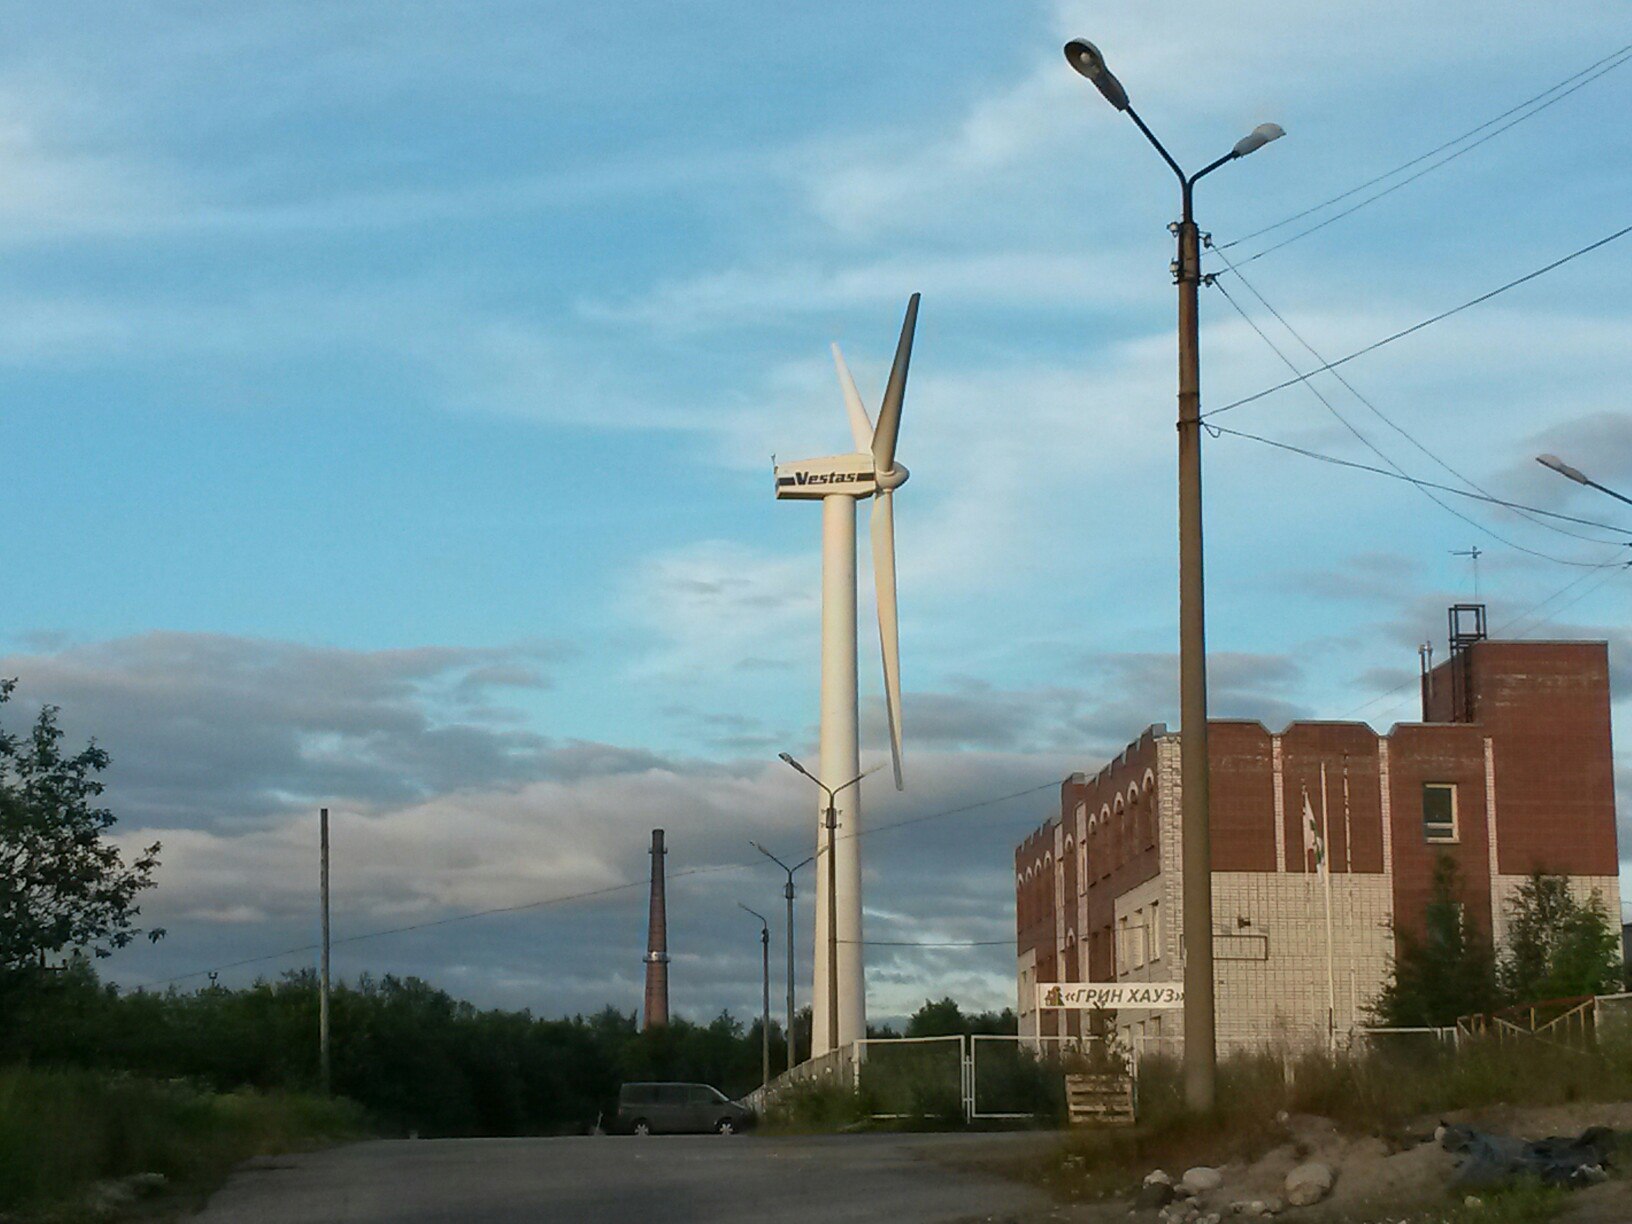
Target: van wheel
(641, 1127)
(726, 1126)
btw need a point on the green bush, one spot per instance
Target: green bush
(62, 1130)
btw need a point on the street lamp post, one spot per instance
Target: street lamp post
(830, 821)
(787, 892)
(1200, 1053)
(765, 1012)
(1576, 474)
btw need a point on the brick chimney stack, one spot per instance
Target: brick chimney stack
(657, 943)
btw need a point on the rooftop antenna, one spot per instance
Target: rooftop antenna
(1473, 554)
(839, 482)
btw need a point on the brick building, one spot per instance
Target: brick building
(1510, 771)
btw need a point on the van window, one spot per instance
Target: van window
(671, 1094)
(702, 1094)
(639, 1094)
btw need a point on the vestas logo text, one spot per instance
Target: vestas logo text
(827, 478)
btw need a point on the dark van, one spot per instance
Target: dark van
(651, 1109)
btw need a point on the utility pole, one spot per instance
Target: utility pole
(765, 1012)
(787, 892)
(323, 984)
(1200, 1048)
(1195, 775)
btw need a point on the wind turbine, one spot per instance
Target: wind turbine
(839, 482)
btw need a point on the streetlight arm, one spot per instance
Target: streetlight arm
(1160, 147)
(1210, 167)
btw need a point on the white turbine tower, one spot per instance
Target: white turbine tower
(839, 482)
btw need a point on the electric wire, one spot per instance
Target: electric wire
(1424, 487)
(588, 894)
(1422, 157)
(1603, 66)
(1429, 484)
(1416, 327)
(1389, 421)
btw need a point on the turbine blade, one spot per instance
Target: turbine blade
(861, 428)
(889, 413)
(889, 637)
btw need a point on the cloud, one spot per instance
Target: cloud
(212, 729)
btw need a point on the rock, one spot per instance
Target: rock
(1201, 1179)
(1473, 1200)
(1181, 1211)
(1158, 1176)
(1153, 1194)
(1310, 1182)
(1273, 1206)
(1255, 1207)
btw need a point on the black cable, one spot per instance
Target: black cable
(1383, 416)
(1424, 487)
(1596, 70)
(1416, 480)
(1416, 327)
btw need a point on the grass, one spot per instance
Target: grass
(61, 1131)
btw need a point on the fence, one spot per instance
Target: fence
(990, 1076)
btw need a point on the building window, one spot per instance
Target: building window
(1155, 930)
(1439, 811)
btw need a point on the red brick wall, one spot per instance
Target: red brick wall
(1347, 751)
(1241, 798)
(1438, 753)
(1546, 705)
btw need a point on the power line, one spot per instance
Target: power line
(577, 896)
(1429, 484)
(1608, 64)
(1383, 416)
(1424, 487)
(1416, 327)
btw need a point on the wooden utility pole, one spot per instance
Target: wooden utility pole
(323, 983)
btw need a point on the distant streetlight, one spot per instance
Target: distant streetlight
(765, 1012)
(787, 892)
(831, 823)
(1200, 1052)
(1576, 474)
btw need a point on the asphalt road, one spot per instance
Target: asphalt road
(827, 1179)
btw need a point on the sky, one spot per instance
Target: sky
(388, 396)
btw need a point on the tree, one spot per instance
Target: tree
(1447, 972)
(62, 883)
(1558, 946)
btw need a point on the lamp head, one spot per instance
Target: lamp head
(1258, 138)
(787, 759)
(1085, 59)
(1563, 469)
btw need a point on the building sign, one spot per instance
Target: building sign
(1111, 996)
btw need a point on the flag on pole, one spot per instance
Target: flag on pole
(1313, 842)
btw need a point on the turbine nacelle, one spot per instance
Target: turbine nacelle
(835, 475)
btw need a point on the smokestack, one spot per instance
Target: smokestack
(657, 943)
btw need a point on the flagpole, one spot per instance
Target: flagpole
(1324, 861)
